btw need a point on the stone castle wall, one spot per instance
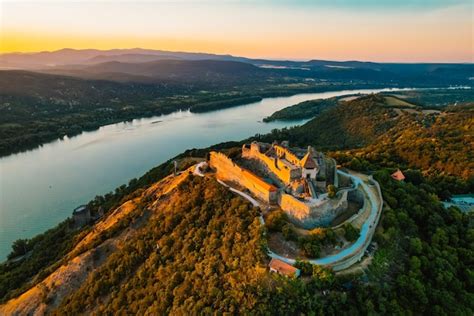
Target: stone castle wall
(287, 154)
(308, 215)
(321, 185)
(276, 166)
(304, 213)
(227, 170)
(356, 196)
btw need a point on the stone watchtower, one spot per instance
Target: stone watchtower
(309, 167)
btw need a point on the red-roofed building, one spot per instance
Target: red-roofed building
(283, 268)
(398, 175)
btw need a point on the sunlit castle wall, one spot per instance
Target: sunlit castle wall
(284, 172)
(227, 170)
(308, 215)
(285, 153)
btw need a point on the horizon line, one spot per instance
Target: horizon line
(238, 56)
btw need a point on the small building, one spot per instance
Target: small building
(309, 166)
(283, 268)
(81, 215)
(398, 175)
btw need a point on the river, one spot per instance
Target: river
(40, 188)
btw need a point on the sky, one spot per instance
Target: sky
(372, 30)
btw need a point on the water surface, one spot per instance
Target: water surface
(41, 187)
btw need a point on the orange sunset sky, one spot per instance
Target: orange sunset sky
(403, 30)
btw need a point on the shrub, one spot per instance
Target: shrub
(276, 220)
(288, 232)
(331, 191)
(350, 232)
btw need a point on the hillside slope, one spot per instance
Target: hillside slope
(185, 71)
(437, 143)
(200, 242)
(186, 245)
(347, 125)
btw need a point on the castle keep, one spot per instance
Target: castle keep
(293, 178)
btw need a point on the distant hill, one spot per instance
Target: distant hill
(69, 56)
(426, 74)
(170, 70)
(129, 58)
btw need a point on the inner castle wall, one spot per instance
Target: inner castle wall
(283, 152)
(309, 215)
(227, 170)
(304, 213)
(276, 166)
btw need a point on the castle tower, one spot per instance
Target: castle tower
(309, 167)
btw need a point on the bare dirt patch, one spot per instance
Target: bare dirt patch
(278, 244)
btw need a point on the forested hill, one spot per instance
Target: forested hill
(387, 136)
(187, 245)
(347, 125)
(36, 108)
(440, 144)
(188, 71)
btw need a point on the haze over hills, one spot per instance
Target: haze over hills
(123, 84)
(68, 56)
(88, 63)
(167, 69)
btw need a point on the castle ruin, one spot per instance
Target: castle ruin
(293, 178)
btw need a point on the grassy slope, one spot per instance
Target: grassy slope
(437, 144)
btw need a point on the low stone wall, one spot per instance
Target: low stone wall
(225, 168)
(344, 181)
(350, 260)
(321, 185)
(309, 215)
(297, 210)
(356, 196)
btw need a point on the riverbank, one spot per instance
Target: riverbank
(45, 127)
(65, 173)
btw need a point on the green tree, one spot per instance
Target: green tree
(331, 191)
